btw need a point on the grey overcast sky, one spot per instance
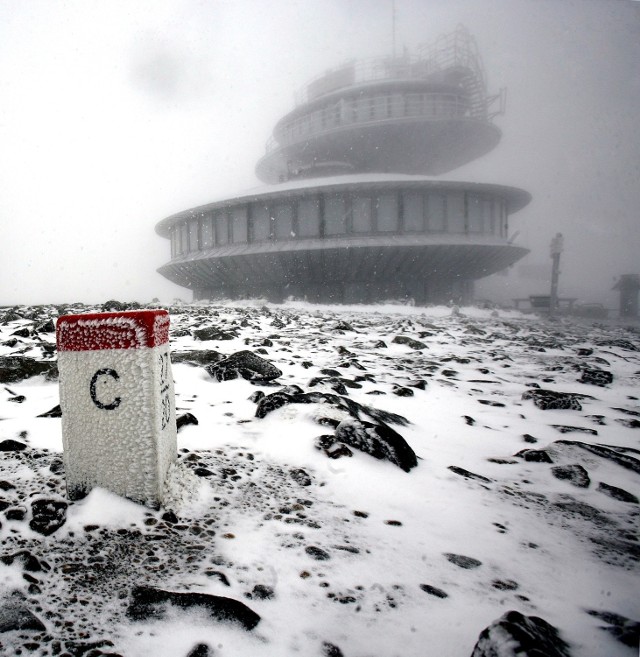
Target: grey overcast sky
(117, 113)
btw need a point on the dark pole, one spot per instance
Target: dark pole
(556, 250)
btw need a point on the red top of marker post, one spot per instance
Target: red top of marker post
(133, 329)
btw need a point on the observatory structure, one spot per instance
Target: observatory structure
(354, 209)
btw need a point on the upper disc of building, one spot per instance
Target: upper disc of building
(426, 113)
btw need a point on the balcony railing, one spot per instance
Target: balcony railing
(457, 50)
(371, 110)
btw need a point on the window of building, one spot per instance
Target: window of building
(436, 217)
(335, 216)
(207, 232)
(455, 213)
(387, 213)
(172, 240)
(475, 216)
(362, 214)
(502, 213)
(239, 225)
(283, 216)
(194, 242)
(413, 212)
(222, 228)
(487, 215)
(308, 217)
(184, 238)
(260, 223)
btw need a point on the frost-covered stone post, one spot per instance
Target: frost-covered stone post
(117, 400)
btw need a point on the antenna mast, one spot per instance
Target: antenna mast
(393, 28)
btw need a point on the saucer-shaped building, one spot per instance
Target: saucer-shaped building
(351, 211)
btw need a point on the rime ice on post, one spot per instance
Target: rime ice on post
(117, 400)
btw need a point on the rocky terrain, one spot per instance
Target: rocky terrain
(350, 481)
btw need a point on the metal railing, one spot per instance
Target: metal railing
(457, 50)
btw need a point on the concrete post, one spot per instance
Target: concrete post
(118, 405)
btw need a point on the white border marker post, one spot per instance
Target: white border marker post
(117, 401)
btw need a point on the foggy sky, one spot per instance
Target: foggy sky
(116, 113)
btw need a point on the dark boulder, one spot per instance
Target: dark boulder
(283, 397)
(47, 516)
(575, 474)
(152, 603)
(244, 364)
(56, 411)
(409, 342)
(516, 635)
(300, 476)
(10, 445)
(535, 455)
(618, 455)
(625, 630)
(15, 615)
(214, 333)
(184, 420)
(378, 440)
(46, 327)
(617, 493)
(18, 368)
(198, 357)
(600, 378)
(550, 399)
(565, 428)
(200, 650)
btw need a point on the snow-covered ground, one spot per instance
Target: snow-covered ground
(342, 556)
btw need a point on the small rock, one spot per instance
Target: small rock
(432, 590)
(184, 420)
(463, 562)
(575, 474)
(535, 455)
(317, 553)
(47, 516)
(401, 391)
(244, 364)
(200, 650)
(468, 475)
(550, 399)
(261, 592)
(516, 635)
(300, 476)
(331, 650)
(594, 377)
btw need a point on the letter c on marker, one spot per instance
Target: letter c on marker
(92, 389)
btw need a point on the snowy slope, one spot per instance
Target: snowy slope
(352, 556)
